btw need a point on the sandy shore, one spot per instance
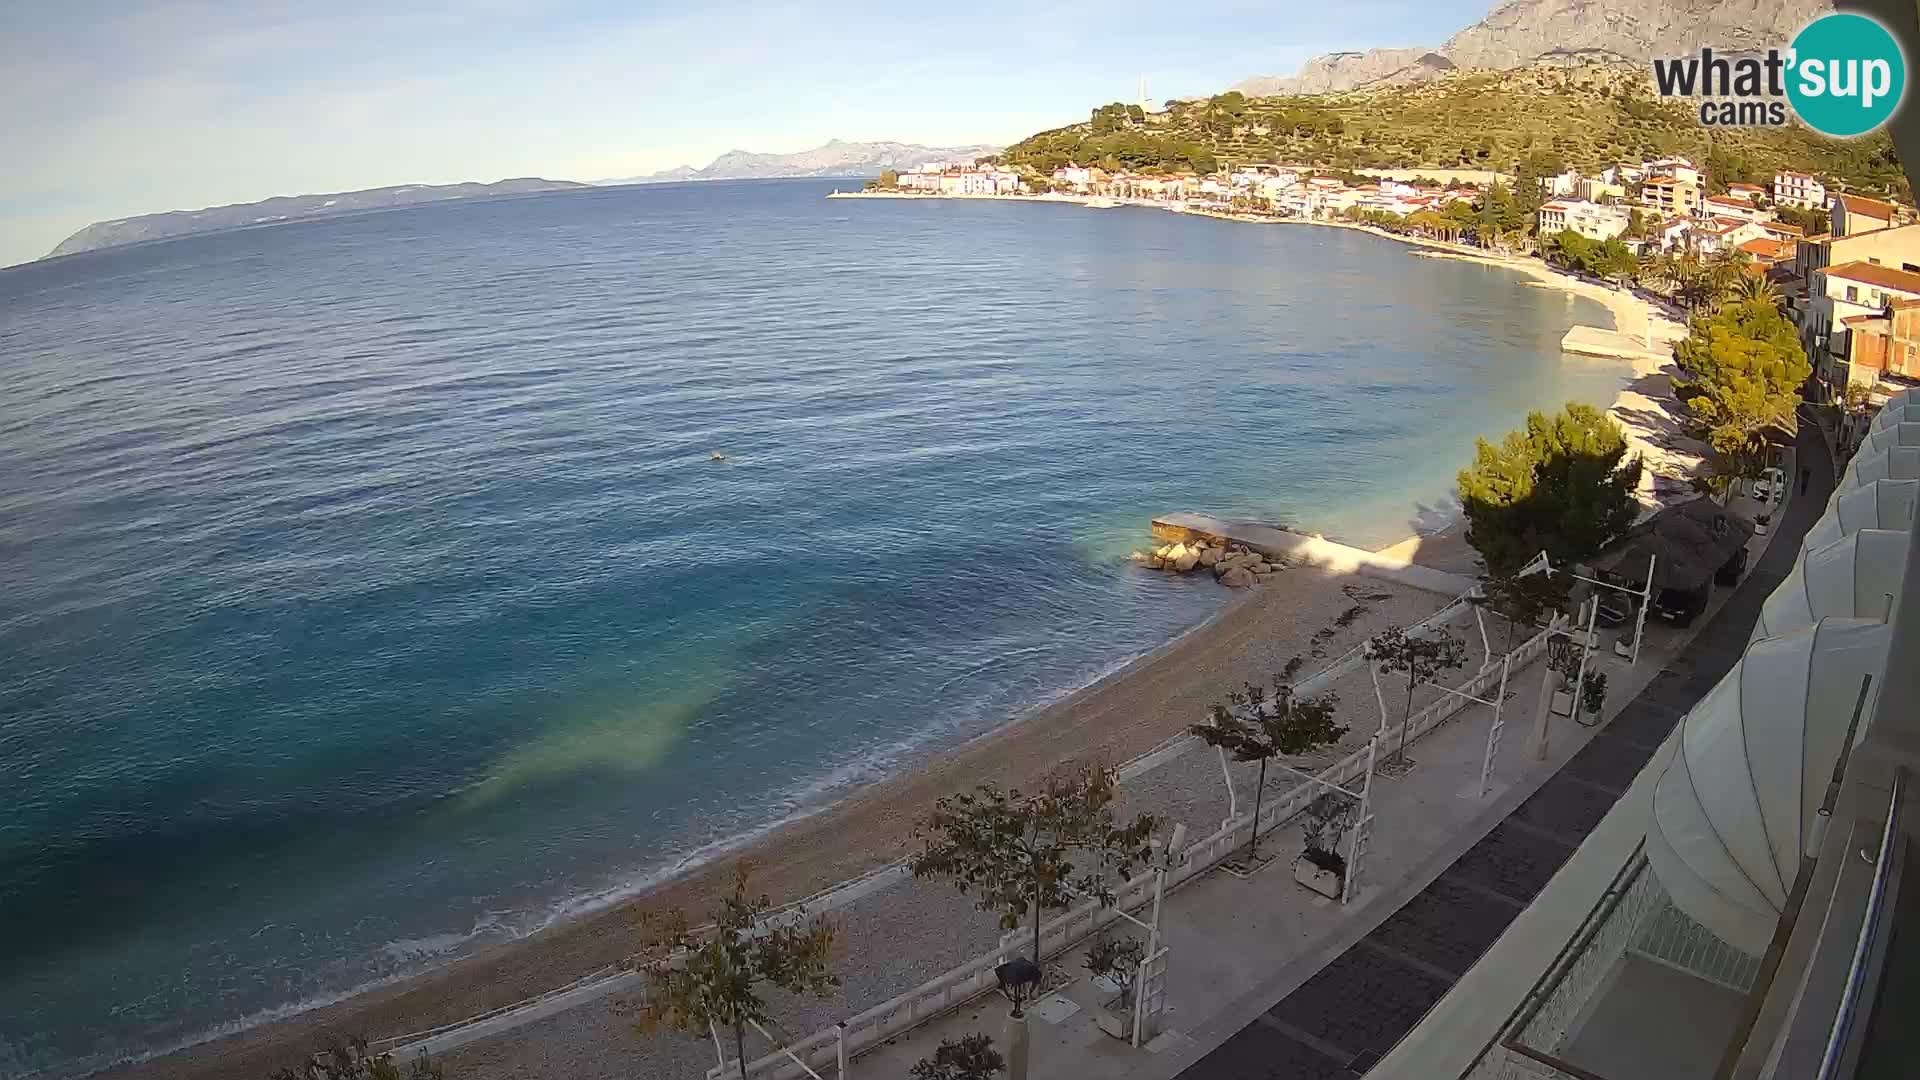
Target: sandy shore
(1124, 715)
(1645, 407)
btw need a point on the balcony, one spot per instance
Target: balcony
(1636, 963)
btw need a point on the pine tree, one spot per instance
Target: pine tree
(1741, 370)
(1564, 485)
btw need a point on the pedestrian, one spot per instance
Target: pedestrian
(1804, 474)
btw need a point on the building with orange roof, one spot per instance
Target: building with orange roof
(1880, 350)
(1844, 291)
(1768, 250)
(1672, 196)
(1855, 214)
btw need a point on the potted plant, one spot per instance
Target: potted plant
(1564, 663)
(1761, 524)
(1320, 866)
(1114, 963)
(1623, 644)
(1593, 692)
(970, 1057)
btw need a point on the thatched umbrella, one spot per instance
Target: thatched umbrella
(1690, 542)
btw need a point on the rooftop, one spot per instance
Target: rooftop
(1768, 248)
(1858, 204)
(1885, 277)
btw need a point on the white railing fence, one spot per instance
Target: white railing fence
(962, 984)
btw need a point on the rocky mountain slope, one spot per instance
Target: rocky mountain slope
(1586, 115)
(284, 208)
(836, 158)
(1518, 33)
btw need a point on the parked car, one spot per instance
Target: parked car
(1769, 486)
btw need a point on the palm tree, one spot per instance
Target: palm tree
(1656, 269)
(1755, 287)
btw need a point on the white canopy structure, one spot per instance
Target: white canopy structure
(1893, 463)
(1899, 409)
(1882, 438)
(1855, 577)
(1736, 809)
(1883, 504)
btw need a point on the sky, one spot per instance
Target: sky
(117, 109)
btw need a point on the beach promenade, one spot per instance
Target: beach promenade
(1267, 980)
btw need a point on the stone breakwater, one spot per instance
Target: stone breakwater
(1233, 565)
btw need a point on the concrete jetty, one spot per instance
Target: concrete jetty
(1295, 548)
(1612, 344)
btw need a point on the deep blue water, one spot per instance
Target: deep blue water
(366, 588)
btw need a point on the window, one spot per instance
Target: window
(1873, 260)
(1853, 295)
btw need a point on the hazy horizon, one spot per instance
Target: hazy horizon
(186, 104)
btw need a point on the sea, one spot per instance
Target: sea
(377, 587)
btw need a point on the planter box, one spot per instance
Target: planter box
(1562, 703)
(1323, 881)
(1114, 1018)
(1623, 648)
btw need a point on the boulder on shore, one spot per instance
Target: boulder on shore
(1209, 556)
(1238, 577)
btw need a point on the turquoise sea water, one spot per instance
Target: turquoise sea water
(367, 589)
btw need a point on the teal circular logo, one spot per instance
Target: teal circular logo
(1846, 75)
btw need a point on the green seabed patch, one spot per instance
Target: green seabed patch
(626, 736)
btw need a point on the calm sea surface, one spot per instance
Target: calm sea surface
(367, 589)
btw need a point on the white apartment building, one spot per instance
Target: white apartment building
(1679, 168)
(1591, 220)
(1799, 189)
(1729, 206)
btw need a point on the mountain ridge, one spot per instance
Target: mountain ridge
(281, 209)
(1520, 33)
(835, 157)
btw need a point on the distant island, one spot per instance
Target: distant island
(284, 208)
(835, 158)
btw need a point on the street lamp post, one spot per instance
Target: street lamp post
(1019, 982)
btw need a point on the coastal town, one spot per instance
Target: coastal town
(1845, 266)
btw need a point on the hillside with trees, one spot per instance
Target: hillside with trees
(1585, 117)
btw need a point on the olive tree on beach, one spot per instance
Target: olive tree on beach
(1520, 600)
(1015, 851)
(1252, 729)
(1422, 657)
(716, 977)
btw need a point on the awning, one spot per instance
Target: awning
(1882, 438)
(1855, 577)
(1892, 463)
(1899, 408)
(1883, 504)
(1735, 810)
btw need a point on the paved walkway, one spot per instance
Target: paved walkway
(1343, 1019)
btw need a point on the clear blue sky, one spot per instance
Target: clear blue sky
(121, 109)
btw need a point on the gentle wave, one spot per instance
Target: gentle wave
(367, 588)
